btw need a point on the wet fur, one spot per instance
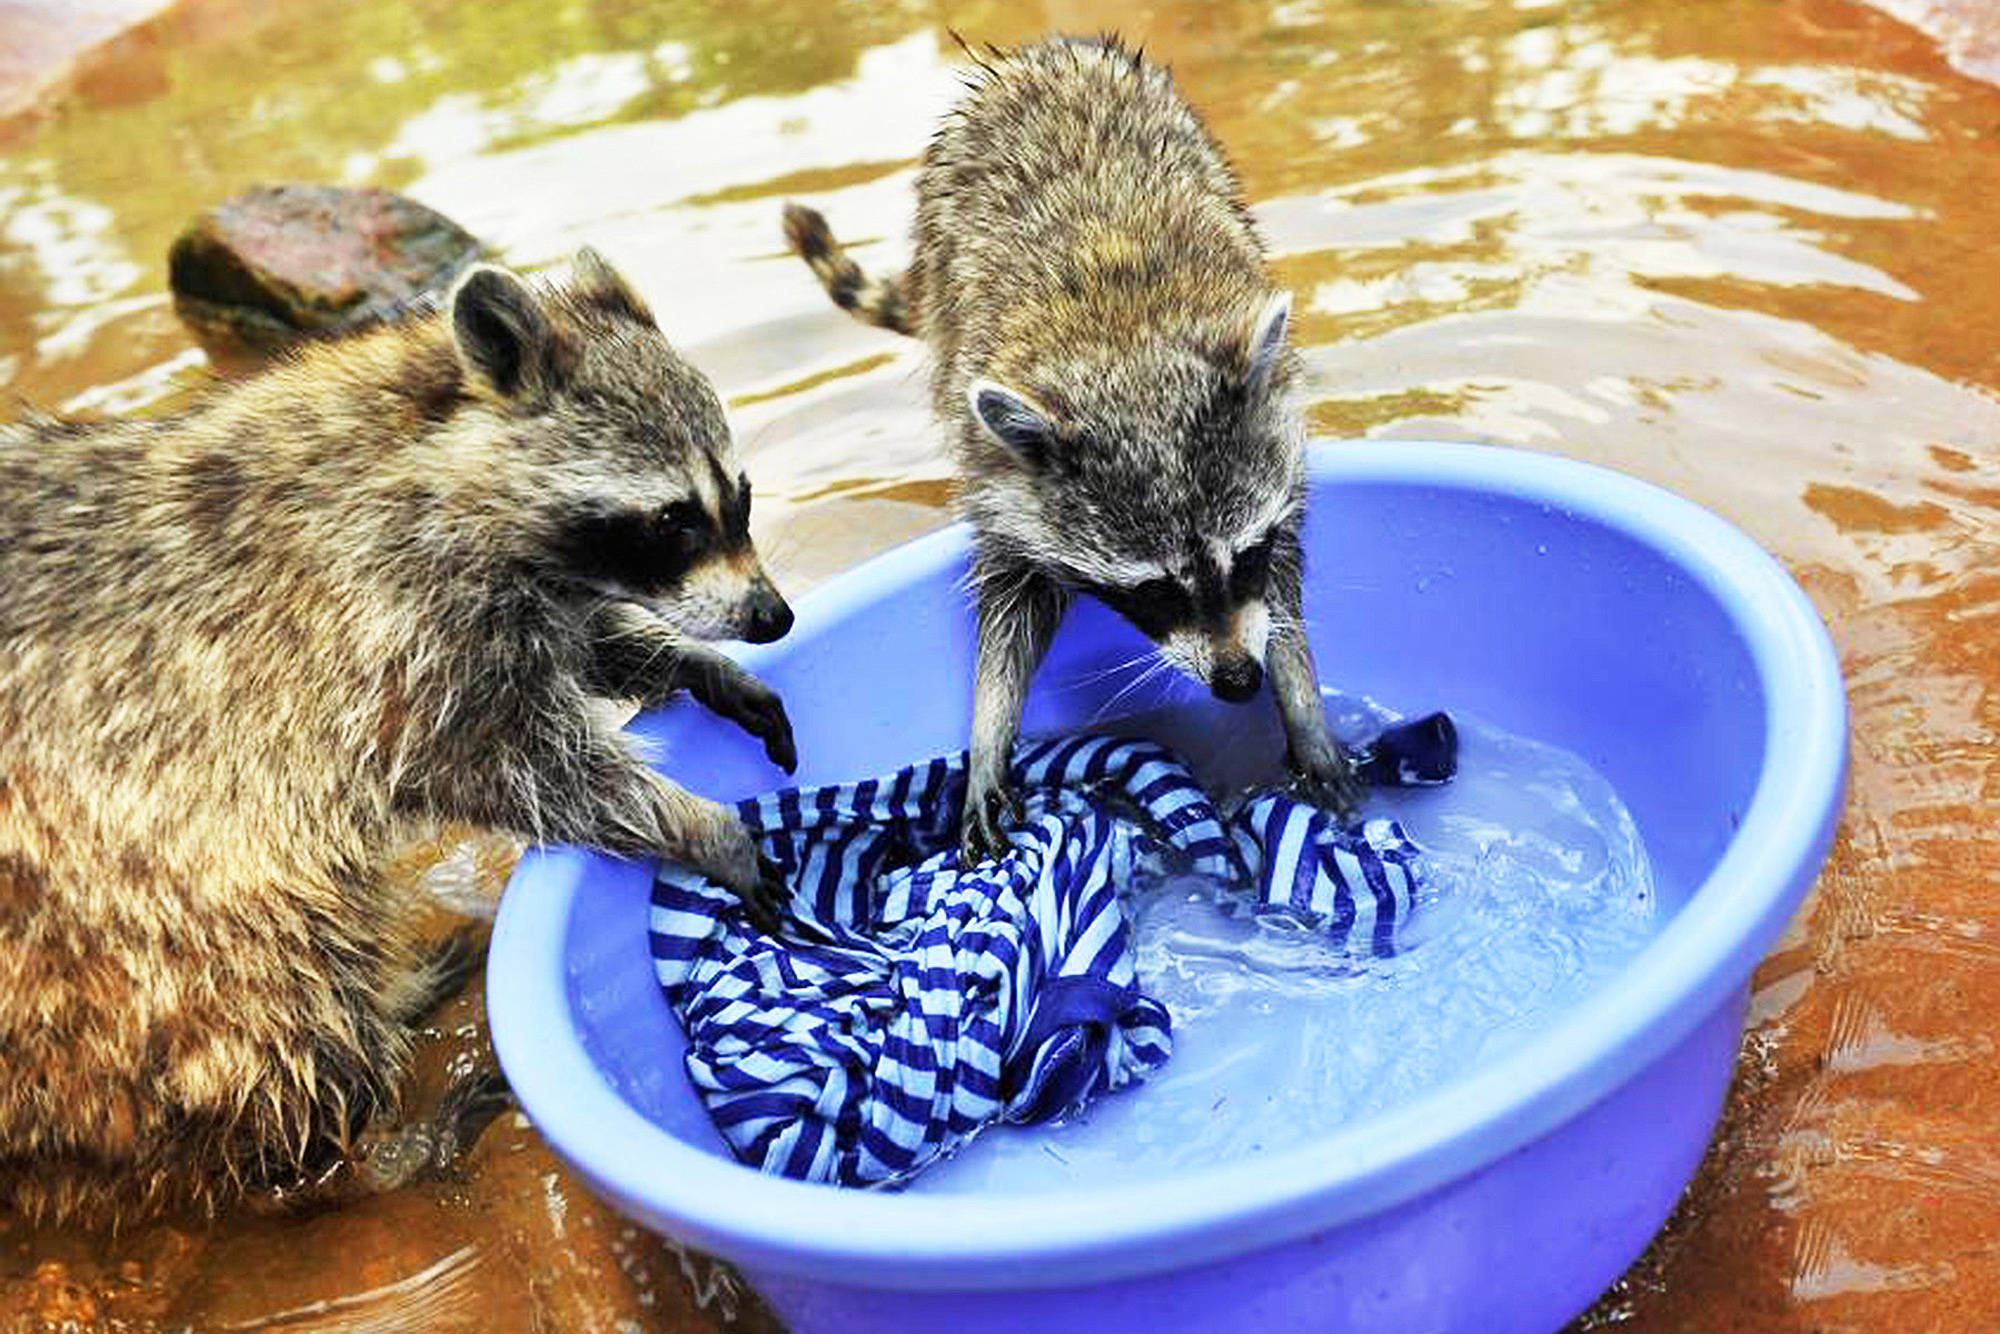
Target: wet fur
(248, 648)
(1110, 366)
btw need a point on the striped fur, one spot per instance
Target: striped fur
(876, 301)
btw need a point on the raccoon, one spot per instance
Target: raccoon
(1110, 363)
(249, 648)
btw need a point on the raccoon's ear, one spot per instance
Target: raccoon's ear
(504, 340)
(1012, 420)
(596, 281)
(1264, 344)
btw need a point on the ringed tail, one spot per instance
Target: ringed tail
(877, 301)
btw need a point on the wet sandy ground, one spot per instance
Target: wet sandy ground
(1735, 247)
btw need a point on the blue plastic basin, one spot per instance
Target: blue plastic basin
(1550, 598)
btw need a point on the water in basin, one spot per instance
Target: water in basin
(1535, 889)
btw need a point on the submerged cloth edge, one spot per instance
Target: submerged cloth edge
(918, 1001)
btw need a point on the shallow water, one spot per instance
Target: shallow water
(1738, 247)
(1533, 890)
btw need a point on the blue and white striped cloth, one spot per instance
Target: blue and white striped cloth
(911, 1002)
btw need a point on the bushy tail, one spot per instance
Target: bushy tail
(876, 301)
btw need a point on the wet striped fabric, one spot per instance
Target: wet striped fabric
(1357, 885)
(910, 1002)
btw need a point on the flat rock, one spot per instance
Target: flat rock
(282, 262)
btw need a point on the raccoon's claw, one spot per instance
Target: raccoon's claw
(1328, 780)
(391, 1155)
(395, 1156)
(776, 730)
(765, 899)
(757, 882)
(765, 906)
(757, 709)
(754, 707)
(989, 812)
(762, 714)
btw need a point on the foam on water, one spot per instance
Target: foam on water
(1535, 889)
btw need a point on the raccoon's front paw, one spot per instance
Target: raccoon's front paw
(732, 860)
(1328, 779)
(732, 693)
(991, 808)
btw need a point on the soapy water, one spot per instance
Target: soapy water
(1534, 888)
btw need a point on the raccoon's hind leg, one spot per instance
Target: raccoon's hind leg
(877, 301)
(1324, 773)
(451, 964)
(1019, 609)
(388, 1157)
(638, 656)
(384, 1144)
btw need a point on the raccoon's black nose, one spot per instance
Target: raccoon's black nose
(769, 617)
(1236, 680)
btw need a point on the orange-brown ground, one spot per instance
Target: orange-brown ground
(1738, 247)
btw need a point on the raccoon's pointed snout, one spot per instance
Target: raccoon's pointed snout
(1236, 679)
(767, 616)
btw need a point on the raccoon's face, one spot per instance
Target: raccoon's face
(689, 559)
(642, 498)
(1167, 483)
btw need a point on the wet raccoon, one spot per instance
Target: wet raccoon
(1110, 363)
(246, 649)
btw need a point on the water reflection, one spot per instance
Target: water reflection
(1735, 248)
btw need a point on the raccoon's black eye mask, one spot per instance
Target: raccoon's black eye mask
(1156, 606)
(1160, 605)
(1251, 569)
(680, 523)
(685, 521)
(632, 549)
(648, 551)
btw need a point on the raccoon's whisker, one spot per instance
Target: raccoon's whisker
(1158, 681)
(1092, 678)
(1153, 670)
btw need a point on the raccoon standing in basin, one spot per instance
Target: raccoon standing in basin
(248, 648)
(1110, 362)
